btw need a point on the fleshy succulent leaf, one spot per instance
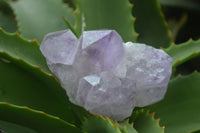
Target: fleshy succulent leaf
(126, 127)
(70, 27)
(183, 52)
(178, 112)
(144, 122)
(30, 85)
(31, 88)
(92, 15)
(98, 124)
(4, 7)
(149, 18)
(18, 47)
(27, 55)
(7, 22)
(35, 120)
(14, 128)
(38, 17)
(78, 17)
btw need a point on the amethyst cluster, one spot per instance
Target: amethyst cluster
(105, 75)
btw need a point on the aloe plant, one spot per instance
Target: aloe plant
(31, 97)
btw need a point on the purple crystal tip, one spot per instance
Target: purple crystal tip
(59, 47)
(104, 75)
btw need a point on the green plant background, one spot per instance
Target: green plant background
(31, 98)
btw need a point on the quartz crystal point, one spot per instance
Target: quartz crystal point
(60, 47)
(100, 50)
(104, 75)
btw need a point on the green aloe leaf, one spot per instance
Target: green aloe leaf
(5, 8)
(38, 17)
(106, 14)
(79, 20)
(179, 110)
(98, 124)
(14, 128)
(144, 122)
(20, 85)
(26, 55)
(150, 23)
(20, 63)
(36, 120)
(183, 52)
(7, 22)
(18, 47)
(126, 127)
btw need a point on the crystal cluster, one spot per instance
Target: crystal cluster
(105, 75)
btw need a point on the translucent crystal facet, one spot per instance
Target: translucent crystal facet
(150, 68)
(104, 75)
(107, 95)
(68, 78)
(99, 51)
(60, 47)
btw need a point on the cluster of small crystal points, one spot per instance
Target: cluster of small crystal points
(105, 75)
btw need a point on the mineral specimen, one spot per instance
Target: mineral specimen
(105, 75)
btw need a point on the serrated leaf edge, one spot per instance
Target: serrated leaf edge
(152, 114)
(5, 55)
(25, 108)
(180, 61)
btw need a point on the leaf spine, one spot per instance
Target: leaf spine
(115, 123)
